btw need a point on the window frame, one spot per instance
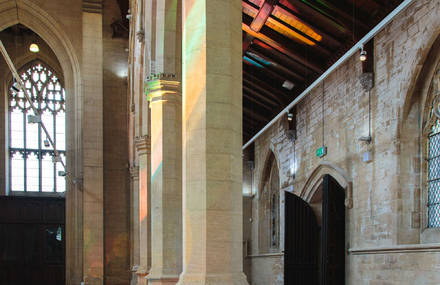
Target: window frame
(40, 151)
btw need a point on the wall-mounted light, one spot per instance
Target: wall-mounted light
(289, 116)
(363, 55)
(34, 48)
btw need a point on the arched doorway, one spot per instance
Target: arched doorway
(315, 236)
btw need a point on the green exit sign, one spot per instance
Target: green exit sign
(322, 151)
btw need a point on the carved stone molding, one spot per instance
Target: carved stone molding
(143, 145)
(92, 6)
(162, 87)
(134, 172)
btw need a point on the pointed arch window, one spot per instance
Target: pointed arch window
(31, 168)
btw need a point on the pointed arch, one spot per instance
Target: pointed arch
(28, 13)
(315, 180)
(269, 206)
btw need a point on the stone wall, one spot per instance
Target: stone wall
(385, 194)
(116, 183)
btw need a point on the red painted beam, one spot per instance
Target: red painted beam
(259, 20)
(262, 16)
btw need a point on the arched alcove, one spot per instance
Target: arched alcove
(31, 15)
(269, 207)
(415, 129)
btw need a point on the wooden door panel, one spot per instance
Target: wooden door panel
(333, 233)
(32, 241)
(301, 243)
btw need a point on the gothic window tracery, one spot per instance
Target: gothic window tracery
(31, 168)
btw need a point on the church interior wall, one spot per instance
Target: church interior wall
(385, 196)
(116, 175)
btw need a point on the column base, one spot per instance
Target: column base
(212, 279)
(162, 280)
(134, 277)
(141, 276)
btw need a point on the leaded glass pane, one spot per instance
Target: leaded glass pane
(17, 172)
(31, 133)
(61, 130)
(16, 134)
(47, 174)
(61, 181)
(434, 176)
(434, 216)
(32, 173)
(47, 119)
(31, 165)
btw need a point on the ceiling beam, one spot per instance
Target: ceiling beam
(282, 49)
(326, 36)
(256, 115)
(277, 65)
(277, 55)
(249, 89)
(271, 20)
(263, 14)
(265, 87)
(259, 20)
(246, 96)
(267, 70)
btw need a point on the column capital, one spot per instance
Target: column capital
(143, 145)
(92, 6)
(163, 87)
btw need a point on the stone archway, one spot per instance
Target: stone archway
(315, 180)
(31, 15)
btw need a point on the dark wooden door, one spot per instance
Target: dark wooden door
(333, 233)
(301, 243)
(32, 241)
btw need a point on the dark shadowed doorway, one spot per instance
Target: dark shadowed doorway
(315, 237)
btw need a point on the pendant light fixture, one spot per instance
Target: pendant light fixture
(34, 48)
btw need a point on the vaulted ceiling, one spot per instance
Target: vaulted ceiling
(287, 44)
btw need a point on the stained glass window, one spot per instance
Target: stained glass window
(31, 168)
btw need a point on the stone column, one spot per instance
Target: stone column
(166, 180)
(92, 143)
(212, 139)
(143, 150)
(135, 223)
